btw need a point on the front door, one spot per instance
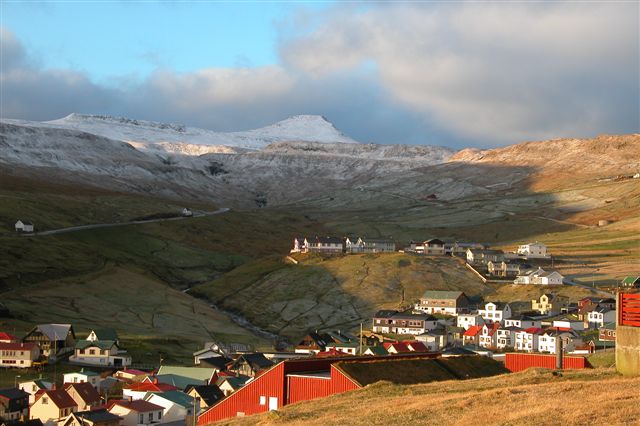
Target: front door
(273, 403)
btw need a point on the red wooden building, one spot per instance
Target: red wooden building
(298, 380)
(518, 362)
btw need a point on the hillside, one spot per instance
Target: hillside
(533, 396)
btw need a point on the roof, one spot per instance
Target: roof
(533, 330)
(106, 334)
(139, 405)
(134, 372)
(101, 344)
(609, 326)
(472, 331)
(13, 393)
(7, 336)
(96, 416)
(217, 362)
(180, 382)
(441, 294)
(630, 280)
(87, 373)
(341, 337)
(257, 361)
(198, 373)
(17, 346)
(329, 240)
(419, 370)
(59, 397)
(177, 397)
(417, 346)
(377, 350)
(332, 352)
(150, 387)
(235, 381)
(55, 331)
(210, 394)
(85, 390)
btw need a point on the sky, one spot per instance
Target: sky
(454, 73)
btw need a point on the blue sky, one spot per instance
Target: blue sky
(447, 73)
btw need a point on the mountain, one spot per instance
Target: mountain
(147, 134)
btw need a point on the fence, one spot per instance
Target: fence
(629, 309)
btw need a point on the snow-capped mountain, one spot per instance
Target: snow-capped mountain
(146, 134)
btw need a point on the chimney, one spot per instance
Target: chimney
(155, 380)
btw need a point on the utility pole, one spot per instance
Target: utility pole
(360, 351)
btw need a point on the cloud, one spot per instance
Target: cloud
(455, 74)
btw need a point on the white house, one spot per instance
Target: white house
(506, 337)
(103, 353)
(533, 250)
(569, 323)
(522, 321)
(24, 226)
(468, 320)
(527, 340)
(540, 277)
(137, 413)
(300, 245)
(33, 386)
(547, 341)
(388, 321)
(488, 336)
(434, 340)
(176, 405)
(353, 245)
(495, 312)
(601, 316)
(83, 376)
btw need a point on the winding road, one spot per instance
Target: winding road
(134, 222)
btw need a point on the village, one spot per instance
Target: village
(445, 335)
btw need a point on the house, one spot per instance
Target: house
(488, 337)
(506, 336)
(484, 256)
(32, 387)
(25, 226)
(522, 321)
(198, 375)
(368, 245)
(218, 363)
(176, 405)
(91, 418)
(376, 351)
(83, 376)
(549, 304)
(300, 245)
(18, 355)
(53, 339)
(387, 321)
(434, 340)
(527, 339)
(350, 348)
(14, 404)
(212, 350)
(443, 302)
(104, 353)
(434, 246)
(471, 336)
(570, 323)
(84, 394)
(8, 338)
(51, 406)
(505, 269)
(130, 375)
(539, 277)
(108, 334)
(607, 332)
(326, 245)
(468, 320)
(136, 413)
(230, 384)
(186, 212)
(548, 340)
(460, 248)
(312, 343)
(630, 282)
(600, 316)
(138, 390)
(495, 312)
(250, 364)
(396, 347)
(294, 380)
(207, 395)
(533, 250)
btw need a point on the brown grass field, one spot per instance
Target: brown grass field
(531, 397)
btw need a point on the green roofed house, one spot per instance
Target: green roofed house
(99, 353)
(181, 382)
(177, 406)
(104, 334)
(376, 351)
(230, 384)
(201, 375)
(83, 376)
(443, 302)
(631, 282)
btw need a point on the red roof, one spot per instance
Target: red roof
(150, 387)
(7, 336)
(533, 330)
(473, 331)
(399, 347)
(138, 405)
(86, 391)
(493, 328)
(135, 372)
(417, 346)
(17, 346)
(331, 352)
(59, 397)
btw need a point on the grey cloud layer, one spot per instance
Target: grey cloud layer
(482, 74)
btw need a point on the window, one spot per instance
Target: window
(92, 351)
(141, 418)
(45, 400)
(159, 415)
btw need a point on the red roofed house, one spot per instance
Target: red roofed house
(332, 352)
(527, 340)
(416, 347)
(52, 406)
(18, 355)
(488, 335)
(471, 336)
(139, 390)
(8, 338)
(396, 347)
(84, 394)
(135, 413)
